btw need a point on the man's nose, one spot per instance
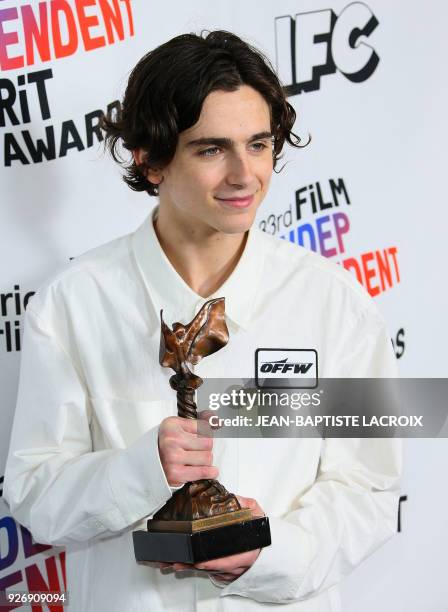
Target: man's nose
(239, 170)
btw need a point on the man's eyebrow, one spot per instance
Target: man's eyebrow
(225, 142)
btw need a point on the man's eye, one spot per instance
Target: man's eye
(210, 152)
(259, 146)
(213, 151)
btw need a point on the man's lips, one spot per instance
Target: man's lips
(237, 202)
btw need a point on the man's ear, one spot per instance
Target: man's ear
(152, 175)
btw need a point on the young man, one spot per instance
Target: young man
(96, 446)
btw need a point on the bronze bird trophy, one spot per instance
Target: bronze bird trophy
(202, 520)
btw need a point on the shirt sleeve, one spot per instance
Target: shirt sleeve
(55, 484)
(349, 511)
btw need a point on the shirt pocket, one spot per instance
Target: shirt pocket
(118, 422)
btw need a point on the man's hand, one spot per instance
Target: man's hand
(184, 455)
(229, 568)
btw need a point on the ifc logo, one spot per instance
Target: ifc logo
(277, 368)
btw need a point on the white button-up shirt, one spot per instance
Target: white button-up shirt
(83, 469)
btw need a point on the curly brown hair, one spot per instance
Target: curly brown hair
(166, 91)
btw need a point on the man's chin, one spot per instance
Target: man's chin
(235, 223)
(235, 226)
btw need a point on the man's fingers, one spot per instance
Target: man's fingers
(180, 567)
(225, 564)
(200, 472)
(188, 425)
(173, 437)
(203, 457)
(252, 504)
(171, 425)
(225, 577)
(184, 454)
(177, 474)
(199, 427)
(204, 427)
(175, 566)
(191, 442)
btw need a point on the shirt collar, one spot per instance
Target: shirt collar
(168, 290)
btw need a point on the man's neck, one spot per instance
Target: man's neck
(203, 257)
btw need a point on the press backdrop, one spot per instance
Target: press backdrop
(368, 82)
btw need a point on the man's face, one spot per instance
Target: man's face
(222, 166)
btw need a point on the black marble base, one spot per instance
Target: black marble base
(202, 545)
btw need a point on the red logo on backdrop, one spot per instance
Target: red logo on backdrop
(45, 32)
